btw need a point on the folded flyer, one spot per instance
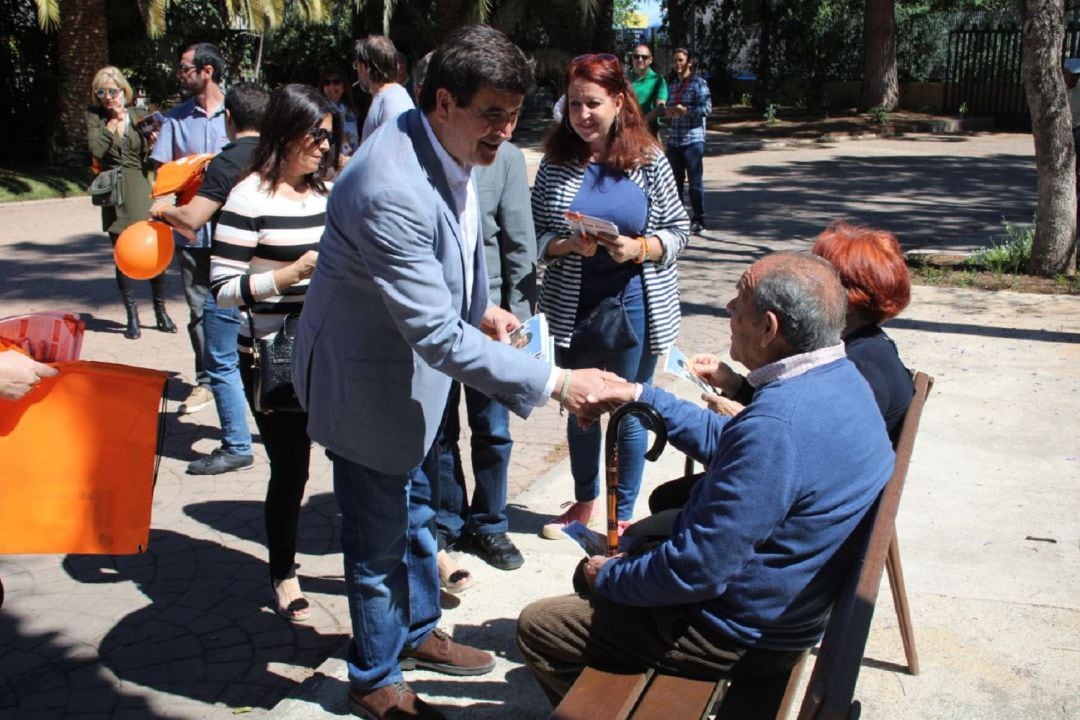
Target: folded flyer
(534, 338)
(679, 365)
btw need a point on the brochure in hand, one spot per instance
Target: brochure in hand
(679, 365)
(587, 224)
(533, 337)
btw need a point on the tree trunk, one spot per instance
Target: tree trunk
(450, 16)
(83, 44)
(676, 20)
(1043, 30)
(603, 37)
(879, 87)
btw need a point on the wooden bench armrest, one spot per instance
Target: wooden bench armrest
(601, 694)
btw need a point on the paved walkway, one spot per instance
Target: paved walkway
(185, 631)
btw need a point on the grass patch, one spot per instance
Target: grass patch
(959, 276)
(43, 182)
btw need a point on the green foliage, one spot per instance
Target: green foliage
(963, 109)
(746, 100)
(43, 182)
(28, 83)
(623, 10)
(770, 114)
(879, 115)
(1011, 253)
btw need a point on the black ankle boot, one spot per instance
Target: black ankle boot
(164, 322)
(132, 330)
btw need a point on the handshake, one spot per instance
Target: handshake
(589, 393)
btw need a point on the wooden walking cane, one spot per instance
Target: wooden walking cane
(652, 420)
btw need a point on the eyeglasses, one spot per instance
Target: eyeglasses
(603, 57)
(497, 118)
(320, 135)
(640, 56)
(111, 92)
(185, 69)
(333, 81)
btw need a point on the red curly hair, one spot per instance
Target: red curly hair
(871, 266)
(631, 146)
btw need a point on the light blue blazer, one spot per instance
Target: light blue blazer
(386, 323)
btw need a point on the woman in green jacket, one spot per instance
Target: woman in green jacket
(115, 141)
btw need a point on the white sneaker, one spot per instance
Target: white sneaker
(199, 398)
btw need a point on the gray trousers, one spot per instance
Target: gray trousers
(195, 276)
(559, 636)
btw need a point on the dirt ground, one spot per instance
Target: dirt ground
(801, 123)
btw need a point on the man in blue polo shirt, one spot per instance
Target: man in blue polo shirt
(195, 126)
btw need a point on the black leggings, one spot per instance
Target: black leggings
(284, 435)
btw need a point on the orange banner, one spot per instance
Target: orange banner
(78, 461)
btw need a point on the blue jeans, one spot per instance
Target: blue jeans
(636, 365)
(391, 576)
(489, 421)
(220, 327)
(194, 265)
(687, 160)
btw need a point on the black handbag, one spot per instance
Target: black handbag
(605, 330)
(107, 188)
(271, 368)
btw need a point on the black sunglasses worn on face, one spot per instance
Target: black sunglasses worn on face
(318, 135)
(639, 56)
(334, 81)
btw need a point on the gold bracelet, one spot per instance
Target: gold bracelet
(564, 391)
(644, 249)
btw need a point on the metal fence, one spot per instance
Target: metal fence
(983, 72)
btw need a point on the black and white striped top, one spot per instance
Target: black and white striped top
(554, 190)
(259, 233)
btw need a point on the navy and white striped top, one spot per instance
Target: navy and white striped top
(258, 233)
(554, 190)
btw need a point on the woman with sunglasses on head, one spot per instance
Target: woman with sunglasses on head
(115, 141)
(265, 249)
(602, 161)
(334, 86)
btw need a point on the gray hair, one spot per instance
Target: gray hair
(805, 293)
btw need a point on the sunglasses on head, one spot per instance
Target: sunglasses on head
(602, 57)
(111, 92)
(318, 135)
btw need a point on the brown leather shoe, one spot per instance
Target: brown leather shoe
(441, 654)
(391, 702)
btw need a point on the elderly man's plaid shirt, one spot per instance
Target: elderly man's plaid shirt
(694, 94)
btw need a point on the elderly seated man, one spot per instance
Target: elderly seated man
(745, 581)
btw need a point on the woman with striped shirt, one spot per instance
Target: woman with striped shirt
(601, 160)
(265, 249)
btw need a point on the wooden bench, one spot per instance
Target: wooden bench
(601, 695)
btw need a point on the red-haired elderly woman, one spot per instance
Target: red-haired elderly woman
(872, 268)
(602, 161)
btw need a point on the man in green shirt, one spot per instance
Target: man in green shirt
(649, 87)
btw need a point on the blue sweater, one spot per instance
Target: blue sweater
(756, 551)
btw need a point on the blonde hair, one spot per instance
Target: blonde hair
(111, 72)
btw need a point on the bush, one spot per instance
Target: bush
(1011, 254)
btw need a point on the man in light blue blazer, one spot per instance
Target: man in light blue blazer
(397, 308)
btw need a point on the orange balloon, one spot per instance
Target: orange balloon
(144, 249)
